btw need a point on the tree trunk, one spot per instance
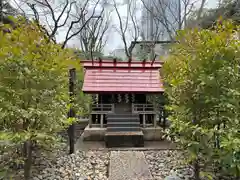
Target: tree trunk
(164, 118)
(196, 170)
(1, 10)
(71, 133)
(237, 173)
(199, 13)
(28, 159)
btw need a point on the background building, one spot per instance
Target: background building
(119, 53)
(156, 15)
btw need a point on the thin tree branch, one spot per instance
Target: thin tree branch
(68, 36)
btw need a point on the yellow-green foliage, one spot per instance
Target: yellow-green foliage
(203, 86)
(33, 85)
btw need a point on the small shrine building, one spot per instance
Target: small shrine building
(120, 113)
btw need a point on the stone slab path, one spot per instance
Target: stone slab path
(128, 165)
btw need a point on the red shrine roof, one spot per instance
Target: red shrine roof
(120, 77)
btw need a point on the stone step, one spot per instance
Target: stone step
(123, 124)
(123, 119)
(116, 129)
(122, 115)
(124, 133)
(124, 139)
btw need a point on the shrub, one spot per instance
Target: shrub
(34, 98)
(203, 86)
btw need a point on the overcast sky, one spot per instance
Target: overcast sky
(114, 40)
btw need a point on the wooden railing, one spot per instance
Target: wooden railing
(136, 108)
(143, 108)
(102, 108)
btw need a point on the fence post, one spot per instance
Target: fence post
(71, 113)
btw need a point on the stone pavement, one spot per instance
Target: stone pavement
(128, 165)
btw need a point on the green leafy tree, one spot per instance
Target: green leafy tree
(34, 98)
(203, 88)
(82, 101)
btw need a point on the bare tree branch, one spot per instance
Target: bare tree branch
(136, 29)
(19, 8)
(201, 9)
(130, 24)
(165, 12)
(57, 15)
(122, 29)
(159, 15)
(94, 36)
(82, 14)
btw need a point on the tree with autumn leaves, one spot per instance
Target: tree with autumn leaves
(202, 76)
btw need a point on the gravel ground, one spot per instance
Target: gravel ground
(168, 165)
(93, 165)
(79, 166)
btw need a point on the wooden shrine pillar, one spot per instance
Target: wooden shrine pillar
(101, 120)
(155, 120)
(144, 120)
(90, 120)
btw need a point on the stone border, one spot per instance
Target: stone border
(98, 134)
(133, 149)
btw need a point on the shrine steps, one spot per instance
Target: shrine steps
(124, 139)
(123, 130)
